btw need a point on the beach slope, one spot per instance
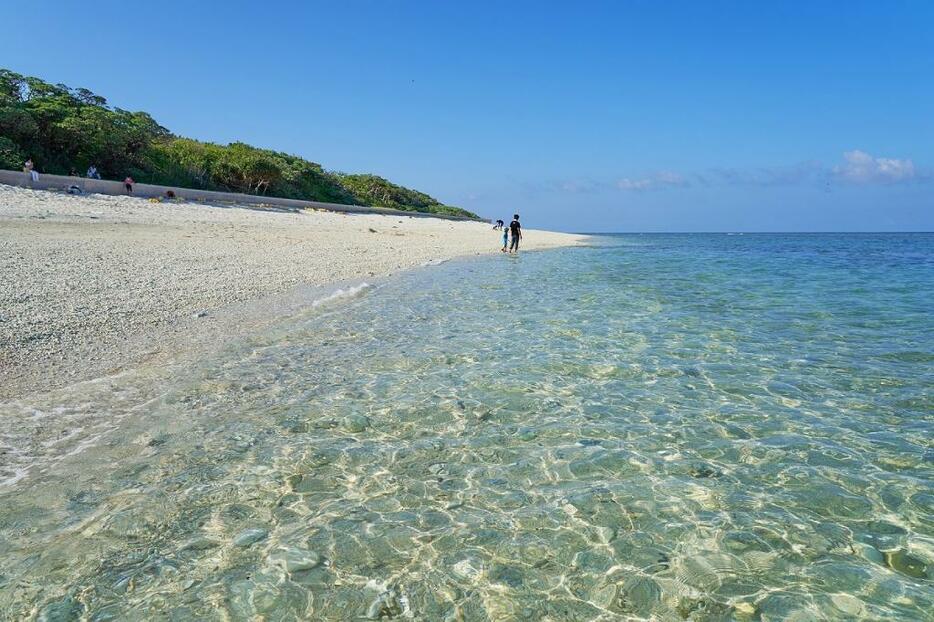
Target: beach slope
(91, 284)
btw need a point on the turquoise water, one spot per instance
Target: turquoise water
(684, 427)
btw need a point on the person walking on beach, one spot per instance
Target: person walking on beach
(505, 239)
(128, 182)
(516, 230)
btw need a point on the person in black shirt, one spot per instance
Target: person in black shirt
(515, 229)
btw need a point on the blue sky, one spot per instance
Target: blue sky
(587, 116)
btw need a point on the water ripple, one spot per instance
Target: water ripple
(668, 427)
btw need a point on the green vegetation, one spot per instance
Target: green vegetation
(62, 129)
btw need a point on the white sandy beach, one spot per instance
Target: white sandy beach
(89, 285)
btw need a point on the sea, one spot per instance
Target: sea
(654, 427)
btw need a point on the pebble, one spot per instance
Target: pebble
(249, 537)
(906, 563)
(605, 535)
(868, 552)
(386, 605)
(294, 559)
(355, 423)
(745, 610)
(305, 484)
(527, 434)
(467, 569)
(199, 544)
(703, 471)
(506, 575)
(849, 605)
(61, 611)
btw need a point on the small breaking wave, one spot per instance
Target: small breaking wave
(434, 262)
(339, 294)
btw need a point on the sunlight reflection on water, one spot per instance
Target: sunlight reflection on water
(676, 427)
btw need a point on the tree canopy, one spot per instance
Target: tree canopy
(64, 129)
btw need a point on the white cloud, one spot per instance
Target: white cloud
(858, 167)
(861, 168)
(579, 185)
(662, 179)
(803, 172)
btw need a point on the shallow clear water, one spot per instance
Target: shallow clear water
(667, 427)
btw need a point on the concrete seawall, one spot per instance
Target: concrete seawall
(103, 186)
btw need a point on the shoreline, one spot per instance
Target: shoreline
(96, 284)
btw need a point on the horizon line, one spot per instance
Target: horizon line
(750, 232)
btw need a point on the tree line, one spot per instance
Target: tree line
(64, 129)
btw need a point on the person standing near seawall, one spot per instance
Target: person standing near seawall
(30, 169)
(515, 229)
(128, 182)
